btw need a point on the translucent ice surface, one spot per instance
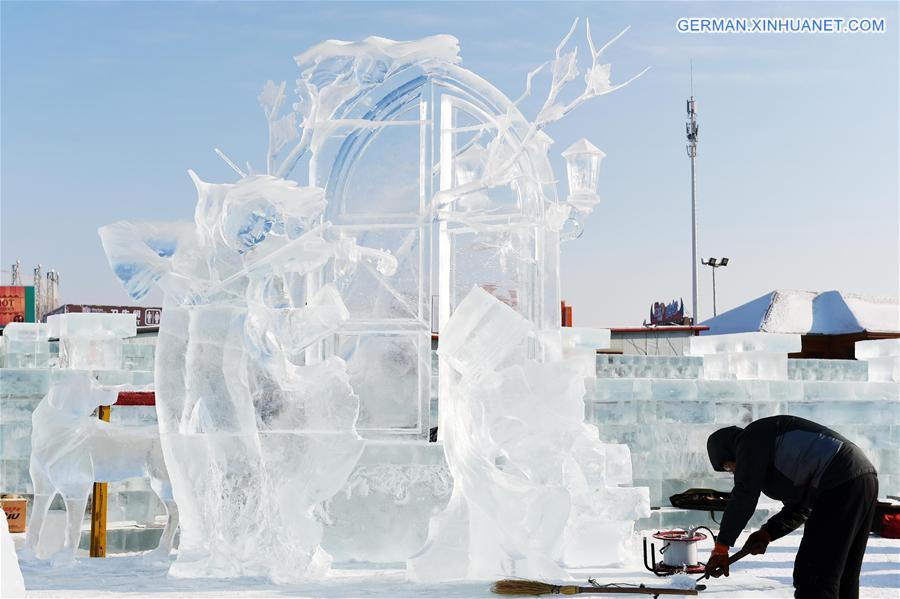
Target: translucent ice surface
(583, 337)
(91, 341)
(883, 358)
(96, 325)
(382, 513)
(884, 369)
(481, 338)
(878, 348)
(746, 365)
(828, 370)
(744, 342)
(26, 345)
(530, 477)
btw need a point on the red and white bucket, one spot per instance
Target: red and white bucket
(679, 549)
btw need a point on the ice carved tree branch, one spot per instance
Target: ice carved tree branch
(282, 129)
(503, 156)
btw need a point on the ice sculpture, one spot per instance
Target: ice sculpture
(296, 316)
(71, 448)
(533, 485)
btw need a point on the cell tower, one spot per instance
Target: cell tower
(693, 134)
(16, 276)
(38, 293)
(51, 292)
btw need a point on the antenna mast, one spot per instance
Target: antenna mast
(16, 277)
(693, 132)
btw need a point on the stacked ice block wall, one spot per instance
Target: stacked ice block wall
(27, 345)
(31, 362)
(665, 407)
(882, 357)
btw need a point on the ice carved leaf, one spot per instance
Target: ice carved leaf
(597, 79)
(551, 113)
(565, 69)
(284, 130)
(271, 97)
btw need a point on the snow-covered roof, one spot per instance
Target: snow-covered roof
(809, 312)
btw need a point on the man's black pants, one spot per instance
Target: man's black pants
(834, 541)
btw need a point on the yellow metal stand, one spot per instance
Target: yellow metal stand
(98, 506)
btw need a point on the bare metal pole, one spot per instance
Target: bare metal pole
(693, 131)
(714, 263)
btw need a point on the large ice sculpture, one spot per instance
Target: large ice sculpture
(71, 448)
(533, 485)
(297, 315)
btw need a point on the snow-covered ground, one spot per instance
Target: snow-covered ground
(127, 575)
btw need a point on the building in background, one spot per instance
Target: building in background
(829, 322)
(148, 318)
(17, 304)
(670, 340)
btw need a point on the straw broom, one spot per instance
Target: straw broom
(535, 588)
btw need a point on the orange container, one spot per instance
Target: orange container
(15, 512)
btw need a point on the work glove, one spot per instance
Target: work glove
(758, 541)
(717, 564)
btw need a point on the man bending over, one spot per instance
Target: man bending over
(823, 480)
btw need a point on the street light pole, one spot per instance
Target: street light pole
(714, 264)
(715, 313)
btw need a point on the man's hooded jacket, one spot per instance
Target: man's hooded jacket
(787, 458)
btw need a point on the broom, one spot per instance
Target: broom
(536, 587)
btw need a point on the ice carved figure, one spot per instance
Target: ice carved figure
(529, 475)
(297, 316)
(257, 424)
(71, 448)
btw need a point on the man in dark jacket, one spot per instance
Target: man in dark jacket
(823, 480)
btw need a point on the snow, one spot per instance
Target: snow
(11, 583)
(826, 313)
(874, 314)
(764, 576)
(745, 318)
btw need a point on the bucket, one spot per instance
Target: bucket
(679, 547)
(15, 508)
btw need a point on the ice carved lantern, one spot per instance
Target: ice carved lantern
(583, 169)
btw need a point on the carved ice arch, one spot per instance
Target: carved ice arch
(392, 150)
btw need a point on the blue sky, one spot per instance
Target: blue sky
(104, 106)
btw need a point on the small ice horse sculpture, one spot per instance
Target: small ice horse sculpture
(70, 449)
